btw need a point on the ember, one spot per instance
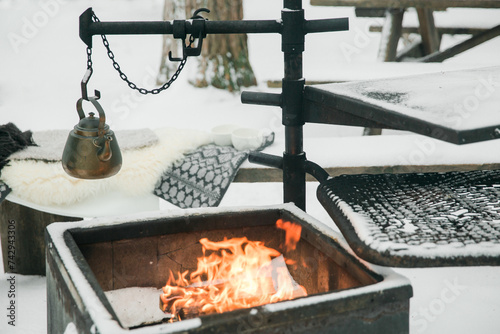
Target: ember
(239, 273)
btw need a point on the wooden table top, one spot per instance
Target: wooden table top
(456, 106)
(434, 4)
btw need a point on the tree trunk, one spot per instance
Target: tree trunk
(172, 10)
(224, 59)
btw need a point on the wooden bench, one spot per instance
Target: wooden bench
(428, 48)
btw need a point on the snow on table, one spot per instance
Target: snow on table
(455, 106)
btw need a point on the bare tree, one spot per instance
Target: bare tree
(224, 61)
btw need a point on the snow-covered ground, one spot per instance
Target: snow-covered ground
(43, 61)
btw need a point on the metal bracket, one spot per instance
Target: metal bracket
(85, 27)
(179, 29)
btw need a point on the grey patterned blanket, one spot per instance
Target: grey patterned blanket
(201, 179)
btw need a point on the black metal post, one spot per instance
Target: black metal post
(293, 37)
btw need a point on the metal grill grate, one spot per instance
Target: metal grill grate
(408, 220)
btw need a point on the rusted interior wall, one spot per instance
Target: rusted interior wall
(147, 261)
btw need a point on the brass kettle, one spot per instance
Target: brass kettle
(91, 151)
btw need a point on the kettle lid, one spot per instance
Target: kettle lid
(89, 123)
(89, 126)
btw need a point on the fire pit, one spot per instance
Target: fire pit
(88, 262)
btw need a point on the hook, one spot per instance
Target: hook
(199, 10)
(85, 80)
(171, 58)
(196, 51)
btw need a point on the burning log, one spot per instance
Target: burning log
(184, 313)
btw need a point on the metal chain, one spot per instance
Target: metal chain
(124, 77)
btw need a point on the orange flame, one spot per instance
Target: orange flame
(292, 233)
(238, 273)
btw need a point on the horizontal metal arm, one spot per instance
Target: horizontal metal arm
(266, 159)
(166, 27)
(277, 162)
(259, 98)
(89, 28)
(316, 170)
(327, 25)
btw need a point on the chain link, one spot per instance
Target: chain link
(89, 58)
(124, 77)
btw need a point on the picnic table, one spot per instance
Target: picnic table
(427, 49)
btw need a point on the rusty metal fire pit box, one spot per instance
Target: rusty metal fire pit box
(345, 294)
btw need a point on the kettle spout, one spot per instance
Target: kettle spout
(104, 153)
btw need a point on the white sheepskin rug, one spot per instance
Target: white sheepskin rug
(46, 183)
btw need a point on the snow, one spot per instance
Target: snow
(135, 306)
(389, 282)
(403, 150)
(462, 100)
(366, 231)
(43, 62)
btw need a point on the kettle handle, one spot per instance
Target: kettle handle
(102, 115)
